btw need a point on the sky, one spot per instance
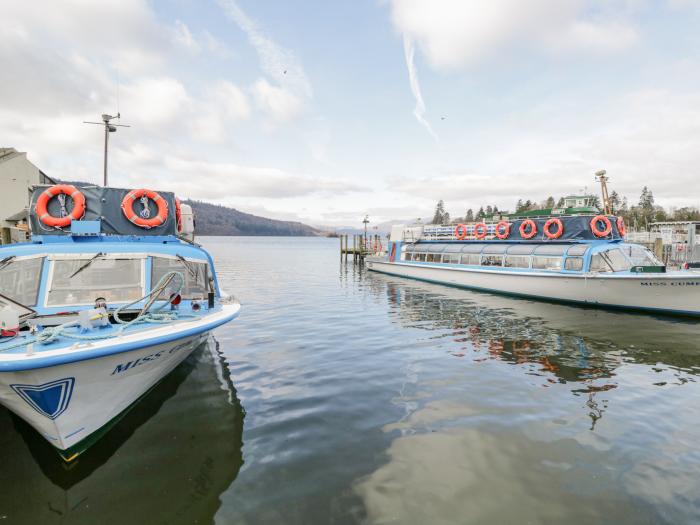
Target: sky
(324, 111)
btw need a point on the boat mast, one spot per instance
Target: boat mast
(109, 128)
(600, 176)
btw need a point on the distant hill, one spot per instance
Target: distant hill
(212, 219)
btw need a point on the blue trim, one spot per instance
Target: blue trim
(74, 357)
(687, 313)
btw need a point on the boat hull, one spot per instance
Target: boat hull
(69, 403)
(677, 294)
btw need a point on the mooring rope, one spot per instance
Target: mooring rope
(155, 316)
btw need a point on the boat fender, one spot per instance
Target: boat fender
(606, 223)
(553, 234)
(528, 229)
(144, 221)
(480, 230)
(621, 228)
(42, 205)
(461, 232)
(502, 230)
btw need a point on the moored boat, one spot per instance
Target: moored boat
(102, 303)
(580, 259)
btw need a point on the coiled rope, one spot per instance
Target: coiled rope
(147, 315)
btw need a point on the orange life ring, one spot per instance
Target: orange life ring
(597, 231)
(42, 205)
(178, 214)
(461, 232)
(145, 222)
(505, 225)
(481, 230)
(533, 229)
(621, 228)
(559, 230)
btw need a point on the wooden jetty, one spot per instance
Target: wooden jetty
(360, 247)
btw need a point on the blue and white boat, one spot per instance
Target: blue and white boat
(575, 259)
(97, 310)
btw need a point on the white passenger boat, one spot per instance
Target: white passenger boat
(574, 259)
(98, 307)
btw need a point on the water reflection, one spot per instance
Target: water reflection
(166, 461)
(531, 400)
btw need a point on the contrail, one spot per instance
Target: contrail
(279, 63)
(419, 110)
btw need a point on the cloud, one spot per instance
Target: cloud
(455, 33)
(419, 110)
(277, 102)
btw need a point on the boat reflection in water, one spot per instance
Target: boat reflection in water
(584, 409)
(166, 461)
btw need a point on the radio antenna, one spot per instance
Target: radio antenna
(109, 128)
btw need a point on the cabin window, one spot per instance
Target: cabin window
(599, 264)
(618, 261)
(640, 256)
(550, 249)
(431, 257)
(574, 264)
(407, 256)
(419, 257)
(517, 261)
(473, 248)
(450, 258)
(521, 249)
(80, 281)
(470, 258)
(195, 274)
(19, 279)
(546, 263)
(491, 260)
(577, 249)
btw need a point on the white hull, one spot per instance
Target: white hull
(677, 292)
(68, 402)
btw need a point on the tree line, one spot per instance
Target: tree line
(638, 215)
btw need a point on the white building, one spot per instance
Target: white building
(17, 176)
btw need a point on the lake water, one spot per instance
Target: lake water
(346, 396)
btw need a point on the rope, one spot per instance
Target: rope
(154, 316)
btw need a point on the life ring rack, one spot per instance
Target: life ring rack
(42, 205)
(145, 221)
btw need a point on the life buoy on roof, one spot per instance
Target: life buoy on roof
(553, 234)
(621, 228)
(502, 230)
(597, 231)
(480, 230)
(42, 205)
(461, 232)
(528, 229)
(143, 219)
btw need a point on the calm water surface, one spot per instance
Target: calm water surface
(344, 396)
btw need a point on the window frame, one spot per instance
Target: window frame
(39, 287)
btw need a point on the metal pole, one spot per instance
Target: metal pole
(106, 141)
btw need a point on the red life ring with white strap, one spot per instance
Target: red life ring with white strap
(621, 228)
(524, 233)
(480, 230)
(42, 205)
(557, 233)
(145, 222)
(597, 231)
(502, 230)
(461, 232)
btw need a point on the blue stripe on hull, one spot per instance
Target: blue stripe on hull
(638, 309)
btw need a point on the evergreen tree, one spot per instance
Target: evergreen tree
(519, 206)
(615, 201)
(469, 217)
(495, 210)
(480, 214)
(550, 202)
(561, 202)
(527, 205)
(489, 211)
(446, 218)
(439, 212)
